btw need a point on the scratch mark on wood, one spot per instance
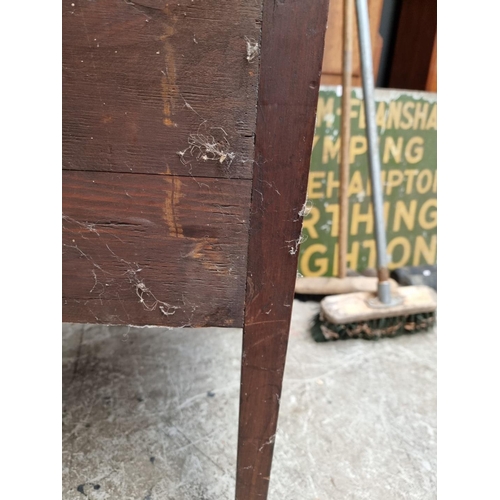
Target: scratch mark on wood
(268, 321)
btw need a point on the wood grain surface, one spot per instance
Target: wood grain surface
(288, 92)
(187, 133)
(140, 78)
(159, 112)
(181, 238)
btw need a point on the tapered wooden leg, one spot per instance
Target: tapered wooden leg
(291, 54)
(262, 374)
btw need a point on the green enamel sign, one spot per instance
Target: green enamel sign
(407, 128)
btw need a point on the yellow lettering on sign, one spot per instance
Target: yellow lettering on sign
(356, 183)
(420, 117)
(320, 263)
(310, 222)
(432, 120)
(372, 253)
(405, 214)
(394, 118)
(331, 149)
(358, 147)
(406, 125)
(411, 175)
(358, 218)
(325, 111)
(315, 140)
(417, 153)
(394, 179)
(391, 148)
(331, 183)
(380, 118)
(424, 181)
(334, 210)
(403, 242)
(355, 106)
(351, 258)
(434, 185)
(426, 219)
(422, 250)
(314, 186)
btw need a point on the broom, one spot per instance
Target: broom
(352, 282)
(384, 314)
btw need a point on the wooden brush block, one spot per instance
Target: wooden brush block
(354, 307)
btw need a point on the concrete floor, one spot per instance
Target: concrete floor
(151, 414)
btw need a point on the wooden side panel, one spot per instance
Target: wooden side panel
(288, 91)
(159, 113)
(332, 57)
(154, 250)
(141, 78)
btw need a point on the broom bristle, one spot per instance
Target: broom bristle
(361, 316)
(373, 329)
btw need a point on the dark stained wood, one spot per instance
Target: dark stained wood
(184, 175)
(170, 240)
(414, 44)
(149, 88)
(292, 48)
(139, 77)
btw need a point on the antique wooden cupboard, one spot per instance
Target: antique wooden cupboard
(187, 131)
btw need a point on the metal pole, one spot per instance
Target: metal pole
(384, 291)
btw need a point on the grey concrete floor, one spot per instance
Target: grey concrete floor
(151, 414)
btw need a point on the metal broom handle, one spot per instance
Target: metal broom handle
(384, 291)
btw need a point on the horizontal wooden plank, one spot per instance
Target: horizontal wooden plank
(151, 85)
(327, 79)
(154, 249)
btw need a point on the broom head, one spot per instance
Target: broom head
(359, 315)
